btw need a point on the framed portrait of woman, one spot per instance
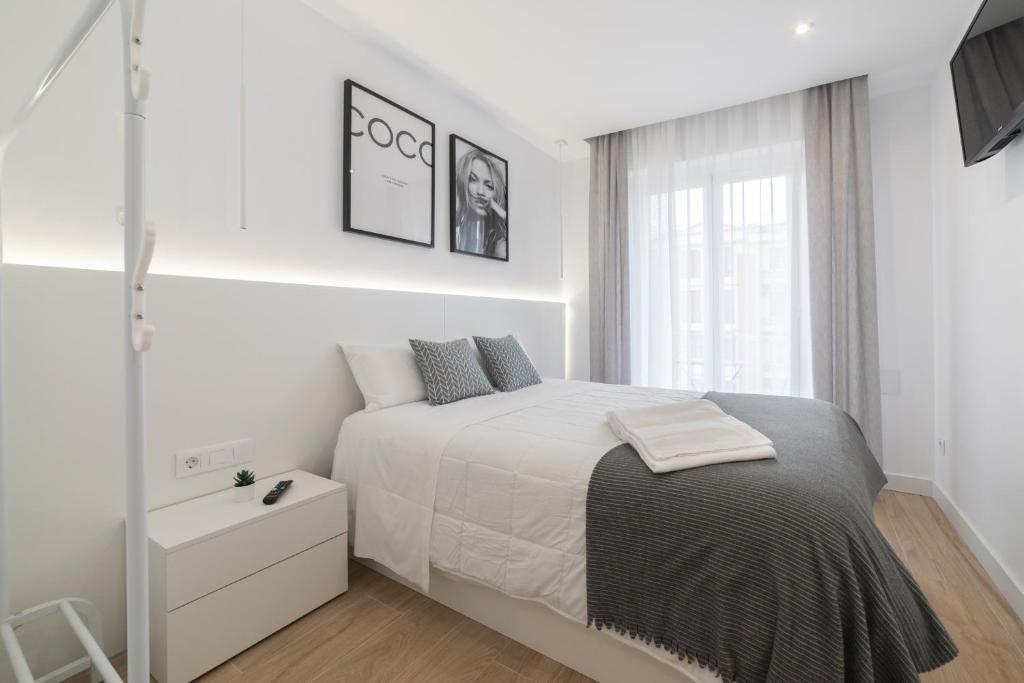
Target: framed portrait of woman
(479, 200)
(388, 187)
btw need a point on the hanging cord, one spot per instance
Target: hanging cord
(561, 219)
(243, 180)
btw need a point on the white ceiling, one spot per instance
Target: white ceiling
(572, 69)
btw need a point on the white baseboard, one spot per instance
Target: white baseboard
(907, 483)
(1004, 581)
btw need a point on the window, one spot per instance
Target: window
(722, 257)
(717, 250)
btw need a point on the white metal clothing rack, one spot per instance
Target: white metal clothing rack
(139, 239)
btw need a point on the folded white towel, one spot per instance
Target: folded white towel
(677, 436)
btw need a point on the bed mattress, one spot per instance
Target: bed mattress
(491, 489)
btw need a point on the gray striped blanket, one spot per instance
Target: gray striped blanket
(771, 570)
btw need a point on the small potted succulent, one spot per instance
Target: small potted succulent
(245, 489)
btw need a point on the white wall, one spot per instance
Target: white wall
(575, 197)
(979, 332)
(61, 181)
(62, 178)
(949, 250)
(901, 161)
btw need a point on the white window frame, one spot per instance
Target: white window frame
(713, 274)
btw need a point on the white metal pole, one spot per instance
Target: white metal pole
(137, 569)
(136, 555)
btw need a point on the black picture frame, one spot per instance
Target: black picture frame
(453, 206)
(395, 137)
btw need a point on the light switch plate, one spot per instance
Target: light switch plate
(193, 461)
(219, 457)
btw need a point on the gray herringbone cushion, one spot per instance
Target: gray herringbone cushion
(450, 370)
(506, 363)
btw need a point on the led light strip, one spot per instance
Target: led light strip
(249, 276)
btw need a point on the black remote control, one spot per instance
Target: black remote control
(276, 492)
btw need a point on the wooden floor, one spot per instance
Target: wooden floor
(382, 631)
(989, 636)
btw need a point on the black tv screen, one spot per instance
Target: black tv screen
(988, 79)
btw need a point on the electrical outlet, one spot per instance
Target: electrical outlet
(193, 461)
(943, 448)
(188, 463)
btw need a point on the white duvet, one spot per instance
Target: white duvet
(491, 489)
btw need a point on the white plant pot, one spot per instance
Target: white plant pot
(243, 494)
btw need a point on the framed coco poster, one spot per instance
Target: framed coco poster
(388, 169)
(478, 199)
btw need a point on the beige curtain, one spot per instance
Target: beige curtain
(609, 260)
(841, 246)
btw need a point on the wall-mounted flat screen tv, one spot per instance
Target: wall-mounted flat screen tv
(988, 79)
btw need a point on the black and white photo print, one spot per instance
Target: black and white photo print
(478, 201)
(388, 169)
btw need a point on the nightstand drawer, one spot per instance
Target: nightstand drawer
(202, 568)
(214, 628)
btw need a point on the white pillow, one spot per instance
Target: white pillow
(387, 375)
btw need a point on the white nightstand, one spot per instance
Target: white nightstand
(225, 575)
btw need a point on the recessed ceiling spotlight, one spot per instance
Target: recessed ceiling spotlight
(803, 28)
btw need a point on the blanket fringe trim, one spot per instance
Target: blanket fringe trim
(684, 653)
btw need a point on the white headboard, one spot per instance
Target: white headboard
(264, 359)
(231, 359)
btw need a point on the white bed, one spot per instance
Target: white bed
(491, 491)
